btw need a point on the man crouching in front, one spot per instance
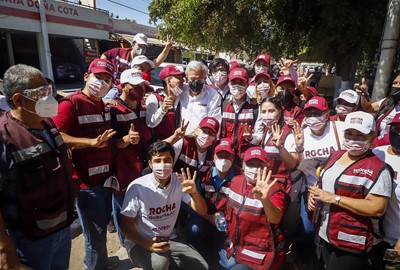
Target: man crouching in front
(150, 210)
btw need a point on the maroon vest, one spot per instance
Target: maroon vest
(169, 123)
(42, 193)
(216, 199)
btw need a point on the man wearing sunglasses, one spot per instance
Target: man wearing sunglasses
(36, 205)
(85, 125)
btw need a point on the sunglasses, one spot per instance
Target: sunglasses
(39, 92)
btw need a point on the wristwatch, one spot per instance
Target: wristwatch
(337, 199)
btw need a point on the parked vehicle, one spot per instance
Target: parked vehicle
(66, 71)
(155, 78)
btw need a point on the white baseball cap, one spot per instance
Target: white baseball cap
(140, 59)
(132, 76)
(350, 96)
(140, 38)
(361, 121)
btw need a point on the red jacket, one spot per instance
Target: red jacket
(131, 160)
(255, 241)
(346, 230)
(91, 165)
(38, 200)
(170, 122)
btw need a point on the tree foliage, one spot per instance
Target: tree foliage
(332, 31)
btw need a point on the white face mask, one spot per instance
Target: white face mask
(139, 51)
(251, 174)
(98, 88)
(343, 110)
(204, 140)
(269, 119)
(260, 69)
(162, 170)
(176, 91)
(237, 90)
(223, 165)
(315, 123)
(45, 106)
(263, 89)
(220, 77)
(356, 148)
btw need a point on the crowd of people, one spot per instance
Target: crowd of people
(215, 168)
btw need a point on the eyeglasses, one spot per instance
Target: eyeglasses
(39, 92)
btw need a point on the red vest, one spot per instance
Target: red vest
(169, 123)
(295, 113)
(216, 199)
(91, 165)
(254, 241)
(188, 158)
(232, 125)
(346, 230)
(40, 202)
(130, 161)
(121, 58)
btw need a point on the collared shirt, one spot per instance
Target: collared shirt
(154, 112)
(195, 108)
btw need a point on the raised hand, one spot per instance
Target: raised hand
(134, 137)
(167, 104)
(188, 182)
(170, 41)
(248, 132)
(298, 135)
(102, 140)
(180, 131)
(302, 82)
(276, 135)
(262, 188)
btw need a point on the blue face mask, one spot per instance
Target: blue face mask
(196, 86)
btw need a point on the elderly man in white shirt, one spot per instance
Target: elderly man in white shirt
(198, 100)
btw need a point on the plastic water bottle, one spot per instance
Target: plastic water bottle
(317, 211)
(220, 221)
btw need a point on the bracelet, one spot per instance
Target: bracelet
(280, 147)
(300, 151)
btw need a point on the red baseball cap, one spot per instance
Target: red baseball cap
(316, 102)
(265, 57)
(211, 123)
(262, 74)
(313, 90)
(395, 120)
(171, 70)
(233, 65)
(283, 79)
(101, 66)
(238, 73)
(225, 145)
(255, 152)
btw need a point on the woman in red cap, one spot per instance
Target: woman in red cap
(256, 205)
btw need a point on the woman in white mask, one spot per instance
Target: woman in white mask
(214, 187)
(353, 191)
(195, 151)
(347, 102)
(162, 107)
(256, 203)
(219, 69)
(264, 87)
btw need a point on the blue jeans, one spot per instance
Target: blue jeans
(50, 252)
(230, 263)
(307, 224)
(94, 211)
(117, 201)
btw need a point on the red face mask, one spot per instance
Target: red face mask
(136, 93)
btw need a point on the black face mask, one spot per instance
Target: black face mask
(196, 86)
(286, 98)
(395, 93)
(394, 139)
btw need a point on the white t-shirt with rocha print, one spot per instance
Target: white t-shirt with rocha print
(392, 217)
(155, 208)
(317, 149)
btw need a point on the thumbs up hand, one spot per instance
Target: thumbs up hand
(133, 135)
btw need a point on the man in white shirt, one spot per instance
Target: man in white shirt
(150, 210)
(198, 100)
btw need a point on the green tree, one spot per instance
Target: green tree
(331, 31)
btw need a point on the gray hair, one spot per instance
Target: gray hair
(18, 78)
(196, 66)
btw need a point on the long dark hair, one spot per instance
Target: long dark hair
(278, 105)
(389, 103)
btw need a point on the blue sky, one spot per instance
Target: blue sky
(124, 12)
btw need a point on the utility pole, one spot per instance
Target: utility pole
(390, 39)
(43, 44)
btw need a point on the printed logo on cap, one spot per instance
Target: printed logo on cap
(237, 73)
(313, 102)
(210, 121)
(351, 95)
(224, 143)
(356, 120)
(136, 74)
(104, 64)
(255, 152)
